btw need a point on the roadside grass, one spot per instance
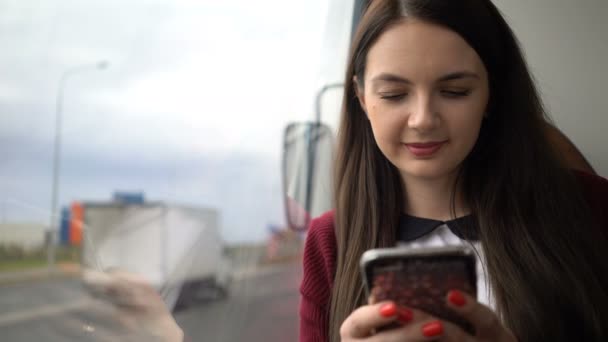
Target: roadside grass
(15, 259)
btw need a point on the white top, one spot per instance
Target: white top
(442, 236)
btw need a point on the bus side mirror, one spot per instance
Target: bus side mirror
(307, 165)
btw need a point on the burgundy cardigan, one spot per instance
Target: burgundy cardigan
(320, 261)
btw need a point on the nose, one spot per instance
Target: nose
(423, 117)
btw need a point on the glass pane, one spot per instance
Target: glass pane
(141, 172)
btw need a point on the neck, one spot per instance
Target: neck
(432, 198)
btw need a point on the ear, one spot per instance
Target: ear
(360, 93)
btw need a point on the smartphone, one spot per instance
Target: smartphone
(420, 278)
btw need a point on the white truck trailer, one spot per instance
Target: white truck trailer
(177, 249)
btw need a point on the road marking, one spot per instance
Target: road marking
(256, 271)
(51, 310)
(40, 312)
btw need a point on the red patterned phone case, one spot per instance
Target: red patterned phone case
(421, 278)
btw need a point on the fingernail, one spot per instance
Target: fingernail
(404, 315)
(388, 310)
(457, 298)
(432, 329)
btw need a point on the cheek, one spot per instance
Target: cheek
(385, 124)
(464, 119)
(467, 130)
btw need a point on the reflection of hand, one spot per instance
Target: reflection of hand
(138, 305)
(415, 325)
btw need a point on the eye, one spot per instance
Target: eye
(454, 94)
(393, 96)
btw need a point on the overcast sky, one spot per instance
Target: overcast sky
(191, 109)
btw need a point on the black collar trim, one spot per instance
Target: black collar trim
(412, 228)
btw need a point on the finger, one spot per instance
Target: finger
(121, 288)
(485, 321)
(373, 295)
(454, 333)
(368, 318)
(96, 280)
(371, 299)
(105, 287)
(129, 277)
(431, 329)
(400, 334)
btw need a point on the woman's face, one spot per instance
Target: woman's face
(425, 92)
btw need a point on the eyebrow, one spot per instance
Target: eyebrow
(387, 77)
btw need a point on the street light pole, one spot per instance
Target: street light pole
(52, 242)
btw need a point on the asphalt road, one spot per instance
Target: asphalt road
(262, 306)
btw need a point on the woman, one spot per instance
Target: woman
(442, 123)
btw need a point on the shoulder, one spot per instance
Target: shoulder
(322, 229)
(592, 183)
(319, 259)
(595, 191)
(594, 187)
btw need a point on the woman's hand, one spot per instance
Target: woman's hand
(416, 325)
(138, 306)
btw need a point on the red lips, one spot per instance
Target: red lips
(424, 149)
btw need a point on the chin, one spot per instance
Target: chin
(427, 171)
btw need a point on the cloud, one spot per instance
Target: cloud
(211, 69)
(11, 92)
(245, 188)
(191, 109)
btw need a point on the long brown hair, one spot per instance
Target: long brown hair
(547, 261)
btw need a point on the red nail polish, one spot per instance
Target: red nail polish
(457, 298)
(404, 315)
(388, 310)
(432, 329)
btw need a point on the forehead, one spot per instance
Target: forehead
(421, 50)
